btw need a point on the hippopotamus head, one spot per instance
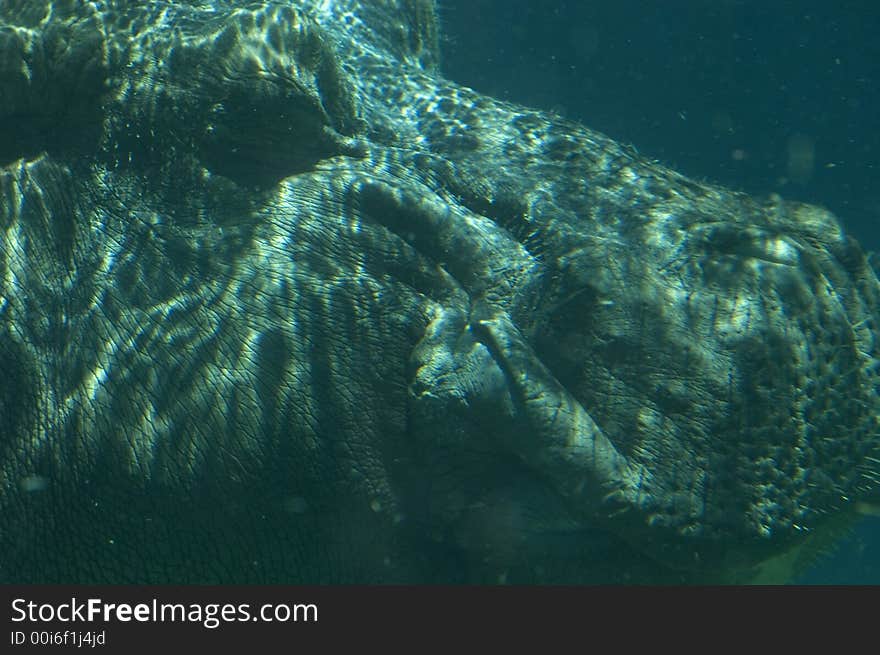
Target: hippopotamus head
(280, 303)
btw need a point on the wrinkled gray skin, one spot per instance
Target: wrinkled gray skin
(278, 303)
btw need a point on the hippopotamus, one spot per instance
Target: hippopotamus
(279, 303)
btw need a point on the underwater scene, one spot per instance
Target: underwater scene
(432, 292)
